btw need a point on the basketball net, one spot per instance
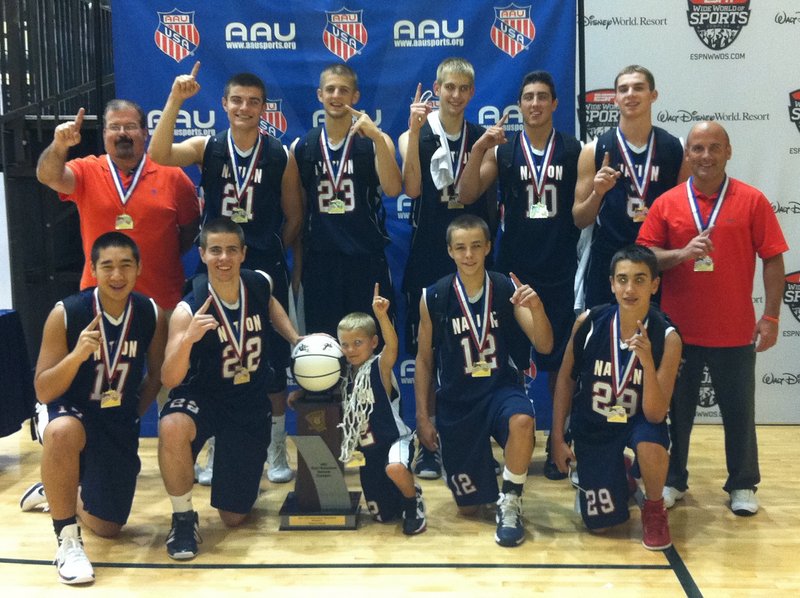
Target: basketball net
(357, 406)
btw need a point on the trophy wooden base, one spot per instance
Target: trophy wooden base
(293, 518)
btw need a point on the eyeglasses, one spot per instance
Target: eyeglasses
(128, 128)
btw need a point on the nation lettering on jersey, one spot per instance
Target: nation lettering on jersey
(602, 114)
(344, 33)
(791, 293)
(718, 22)
(512, 30)
(176, 34)
(272, 121)
(794, 107)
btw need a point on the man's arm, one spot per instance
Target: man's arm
(161, 148)
(385, 165)
(292, 204)
(423, 379)
(57, 366)
(480, 170)
(592, 185)
(151, 383)
(699, 247)
(562, 404)
(529, 313)
(766, 332)
(409, 145)
(281, 322)
(52, 169)
(184, 331)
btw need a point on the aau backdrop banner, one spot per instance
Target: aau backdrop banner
(392, 46)
(730, 61)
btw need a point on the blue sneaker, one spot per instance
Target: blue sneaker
(429, 464)
(184, 536)
(510, 531)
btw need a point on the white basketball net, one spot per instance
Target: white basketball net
(357, 407)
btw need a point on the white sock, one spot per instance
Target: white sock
(515, 478)
(182, 504)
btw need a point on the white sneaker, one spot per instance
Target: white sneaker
(205, 474)
(71, 562)
(744, 502)
(278, 470)
(671, 495)
(34, 498)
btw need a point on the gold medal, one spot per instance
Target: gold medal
(481, 369)
(454, 204)
(617, 415)
(242, 376)
(336, 206)
(704, 264)
(538, 211)
(239, 215)
(124, 222)
(639, 214)
(110, 398)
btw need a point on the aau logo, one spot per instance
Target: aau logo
(176, 34)
(344, 33)
(794, 107)
(602, 113)
(791, 293)
(512, 30)
(272, 121)
(718, 22)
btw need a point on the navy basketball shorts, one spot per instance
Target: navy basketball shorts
(465, 433)
(109, 462)
(601, 470)
(384, 500)
(242, 437)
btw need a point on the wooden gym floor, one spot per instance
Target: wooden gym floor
(715, 553)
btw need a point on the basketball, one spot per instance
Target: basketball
(317, 362)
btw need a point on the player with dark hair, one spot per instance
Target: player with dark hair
(252, 179)
(372, 421)
(615, 384)
(468, 327)
(96, 375)
(215, 364)
(123, 190)
(620, 174)
(344, 166)
(537, 173)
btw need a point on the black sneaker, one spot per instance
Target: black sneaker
(429, 464)
(551, 471)
(184, 536)
(414, 516)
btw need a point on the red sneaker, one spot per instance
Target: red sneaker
(655, 525)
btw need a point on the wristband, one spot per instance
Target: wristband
(769, 319)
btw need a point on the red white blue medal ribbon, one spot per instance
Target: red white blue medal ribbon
(111, 359)
(242, 181)
(640, 184)
(622, 368)
(123, 192)
(538, 174)
(236, 340)
(698, 217)
(458, 167)
(478, 333)
(335, 178)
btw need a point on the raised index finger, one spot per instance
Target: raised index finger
(377, 292)
(195, 68)
(514, 278)
(418, 95)
(93, 324)
(642, 328)
(606, 160)
(503, 120)
(79, 118)
(204, 308)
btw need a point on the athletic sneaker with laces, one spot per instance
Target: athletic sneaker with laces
(744, 502)
(34, 498)
(278, 470)
(414, 517)
(71, 562)
(655, 525)
(204, 475)
(510, 530)
(184, 536)
(429, 464)
(671, 495)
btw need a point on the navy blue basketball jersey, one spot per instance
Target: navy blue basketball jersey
(357, 228)
(455, 347)
(91, 381)
(215, 358)
(617, 219)
(260, 199)
(605, 381)
(541, 247)
(428, 259)
(385, 423)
